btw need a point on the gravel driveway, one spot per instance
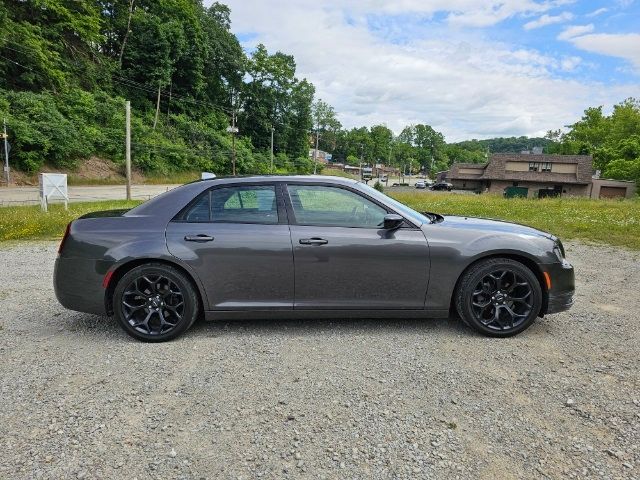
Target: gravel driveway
(321, 399)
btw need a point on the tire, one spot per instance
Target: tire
(155, 302)
(499, 297)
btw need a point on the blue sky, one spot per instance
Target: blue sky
(469, 68)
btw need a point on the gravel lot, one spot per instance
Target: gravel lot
(321, 399)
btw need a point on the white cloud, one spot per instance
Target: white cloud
(597, 12)
(574, 31)
(624, 45)
(548, 20)
(453, 79)
(569, 64)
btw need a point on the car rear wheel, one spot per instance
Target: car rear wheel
(155, 302)
(499, 297)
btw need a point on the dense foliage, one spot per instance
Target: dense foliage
(613, 140)
(66, 68)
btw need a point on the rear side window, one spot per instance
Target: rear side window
(250, 204)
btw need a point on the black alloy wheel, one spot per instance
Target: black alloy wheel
(155, 302)
(499, 297)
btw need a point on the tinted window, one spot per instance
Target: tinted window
(333, 206)
(250, 204)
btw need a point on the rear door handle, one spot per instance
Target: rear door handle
(313, 241)
(200, 238)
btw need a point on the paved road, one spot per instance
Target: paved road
(29, 195)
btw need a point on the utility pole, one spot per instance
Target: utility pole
(271, 170)
(233, 130)
(155, 121)
(233, 140)
(389, 164)
(127, 144)
(6, 153)
(315, 154)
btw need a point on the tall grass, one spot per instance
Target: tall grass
(30, 223)
(616, 222)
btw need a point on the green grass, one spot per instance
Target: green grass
(614, 222)
(31, 223)
(171, 179)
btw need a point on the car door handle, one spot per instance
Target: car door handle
(200, 238)
(313, 241)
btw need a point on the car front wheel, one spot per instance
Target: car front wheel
(155, 302)
(499, 297)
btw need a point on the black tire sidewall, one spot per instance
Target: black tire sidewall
(190, 296)
(471, 279)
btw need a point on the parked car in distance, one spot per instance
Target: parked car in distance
(442, 186)
(421, 185)
(304, 247)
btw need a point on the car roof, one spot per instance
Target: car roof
(279, 178)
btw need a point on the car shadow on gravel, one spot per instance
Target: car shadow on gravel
(347, 326)
(90, 325)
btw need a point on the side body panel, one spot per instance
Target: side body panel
(246, 266)
(360, 268)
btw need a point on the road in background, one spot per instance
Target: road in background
(29, 195)
(13, 196)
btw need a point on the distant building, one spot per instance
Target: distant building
(321, 156)
(536, 175)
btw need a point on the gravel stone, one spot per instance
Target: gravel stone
(379, 399)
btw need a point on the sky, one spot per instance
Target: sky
(468, 68)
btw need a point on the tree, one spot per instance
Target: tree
(325, 125)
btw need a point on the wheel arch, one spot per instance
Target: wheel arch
(122, 270)
(525, 260)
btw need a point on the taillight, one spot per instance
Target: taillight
(64, 237)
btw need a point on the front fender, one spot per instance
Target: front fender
(453, 251)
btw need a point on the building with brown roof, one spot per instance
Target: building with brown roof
(535, 175)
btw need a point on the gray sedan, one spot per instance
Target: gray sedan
(304, 247)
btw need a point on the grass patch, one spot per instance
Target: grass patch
(171, 179)
(616, 222)
(31, 223)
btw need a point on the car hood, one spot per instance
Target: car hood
(489, 225)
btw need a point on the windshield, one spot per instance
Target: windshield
(416, 217)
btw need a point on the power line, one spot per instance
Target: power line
(147, 88)
(13, 61)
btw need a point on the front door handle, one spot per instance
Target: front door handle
(200, 238)
(313, 241)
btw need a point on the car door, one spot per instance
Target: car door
(236, 239)
(344, 259)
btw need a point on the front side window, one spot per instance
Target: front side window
(250, 204)
(333, 206)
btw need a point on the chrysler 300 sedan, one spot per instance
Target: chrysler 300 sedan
(304, 247)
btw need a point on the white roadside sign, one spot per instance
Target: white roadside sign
(53, 186)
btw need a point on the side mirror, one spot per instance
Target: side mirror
(392, 221)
